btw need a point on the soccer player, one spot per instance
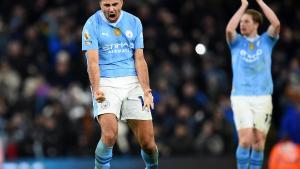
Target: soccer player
(252, 81)
(118, 73)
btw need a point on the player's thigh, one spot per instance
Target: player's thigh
(243, 116)
(132, 107)
(143, 130)
(246, 136)
(111, 104)
(263, 113)
(259, 136)
(109, 124)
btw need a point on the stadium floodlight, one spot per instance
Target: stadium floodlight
(200, 49)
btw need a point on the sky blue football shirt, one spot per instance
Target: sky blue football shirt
(115, 42)
(251, 65)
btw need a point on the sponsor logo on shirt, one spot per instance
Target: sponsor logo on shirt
(122, 47)
(250, 57)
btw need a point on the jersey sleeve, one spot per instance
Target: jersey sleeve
(89, 38)
(139, 40)
(271, 41)
(236, 41)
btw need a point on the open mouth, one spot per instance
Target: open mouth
(112, 16)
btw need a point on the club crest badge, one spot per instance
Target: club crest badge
(251, 46)
(117, 31)
(105, 104)
(129, 34)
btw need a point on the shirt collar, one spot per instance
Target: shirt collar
(252, 39)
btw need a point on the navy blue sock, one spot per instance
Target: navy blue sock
(151, 160)
(256, 160)
(103, 156)
(242, 156)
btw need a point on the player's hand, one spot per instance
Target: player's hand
(148, 101)
(99, 96)
(244, 2)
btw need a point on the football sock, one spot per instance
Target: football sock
(151, 160)
(103, 156)
(256, 160)
(242, 156)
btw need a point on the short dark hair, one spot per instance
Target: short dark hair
(256, 16)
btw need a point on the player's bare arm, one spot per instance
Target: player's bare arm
(143, 76)
(234, 21)
(274, 28)
(94, 74)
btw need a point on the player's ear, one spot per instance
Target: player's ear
(100, 3)
(256, 25)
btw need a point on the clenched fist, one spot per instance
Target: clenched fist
(99, 96)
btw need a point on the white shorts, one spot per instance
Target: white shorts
(252, 112)
(124, 97)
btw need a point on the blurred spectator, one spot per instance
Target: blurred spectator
(3, 37)
(62, 75)
(182, 140)
(290, 124)
(9, 83)
(285, 155)
(293, 87)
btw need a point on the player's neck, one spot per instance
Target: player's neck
(252, 37)
(253, 34)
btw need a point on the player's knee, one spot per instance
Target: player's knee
(259, 145)
(245, 142)
(109, 137)
(246, 138)
(151, 147)
(259, 141)
(148, 145)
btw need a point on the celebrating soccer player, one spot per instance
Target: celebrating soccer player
(252, 81)
(118, 73)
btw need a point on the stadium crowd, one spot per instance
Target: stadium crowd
(45, 96)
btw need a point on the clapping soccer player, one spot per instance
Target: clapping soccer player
(252, 84)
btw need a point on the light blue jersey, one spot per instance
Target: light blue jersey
(115, 42)
(251, 65)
